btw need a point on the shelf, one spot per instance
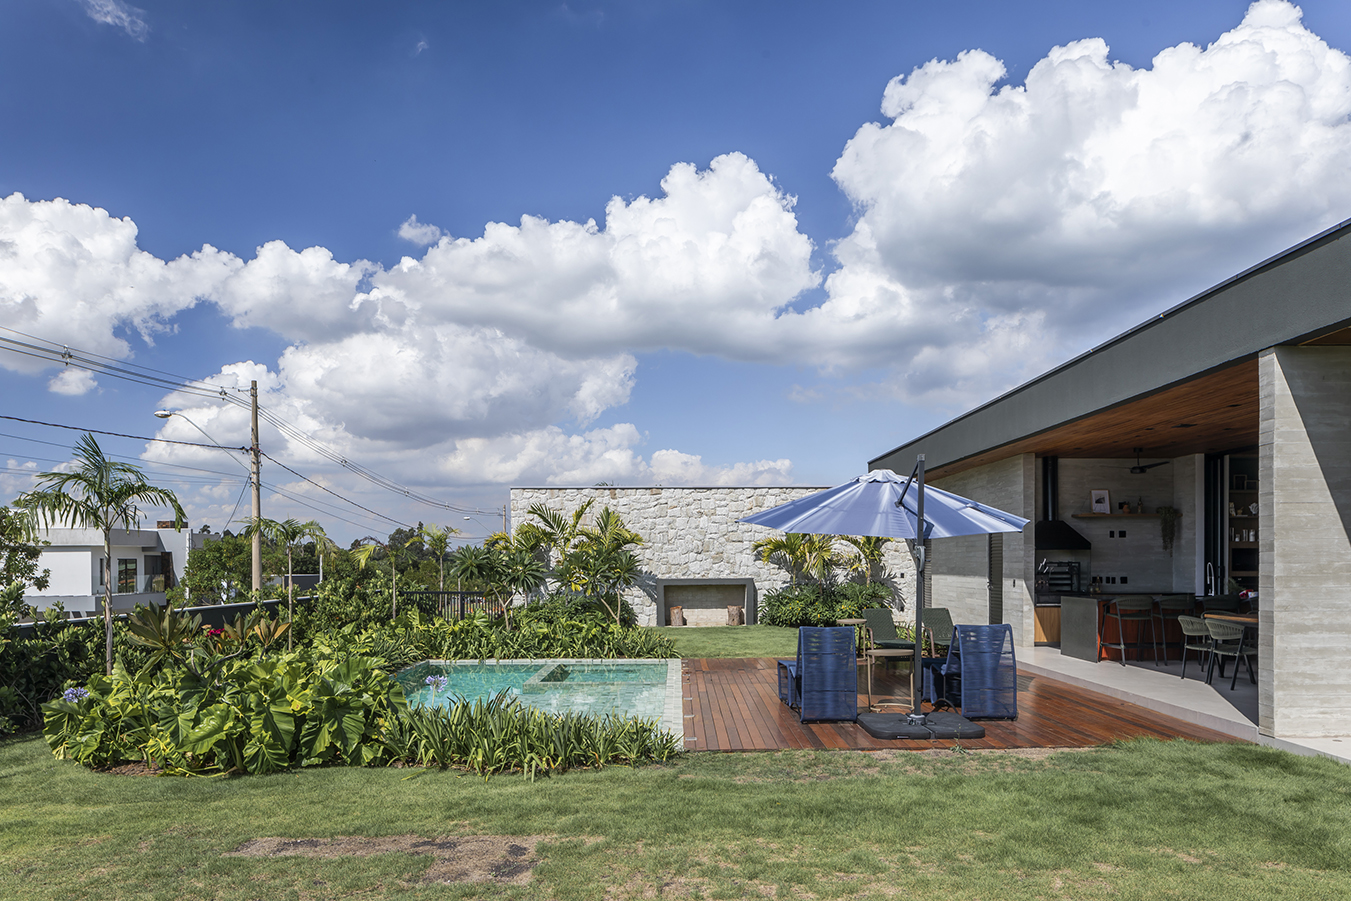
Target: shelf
(1243, 544)
(1117, 515)
(1242, 572)
(1244, 516)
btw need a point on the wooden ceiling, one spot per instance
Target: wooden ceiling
(1214, 413)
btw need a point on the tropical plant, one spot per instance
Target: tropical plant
(290, 534)
(363, 552)
(867, 560)
(20, 551)
(253, 716)
(554, 535)
(98, 494)
(436, 539)
(816, 605)
(802, 556)
(601, 563)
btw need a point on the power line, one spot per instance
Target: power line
(57, 425)
(334, 493)
(151, 377)
(138, 460)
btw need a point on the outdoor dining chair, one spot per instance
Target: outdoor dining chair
(1195, 637)
(1229, 640)
(882, 630)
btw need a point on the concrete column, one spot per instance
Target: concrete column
(1189, 499)
(1304, 510)
(960, 566)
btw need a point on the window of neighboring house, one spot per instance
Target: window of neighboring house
(154, 573)
(126, 576)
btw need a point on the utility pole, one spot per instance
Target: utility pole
(504, 520)
(256, 453)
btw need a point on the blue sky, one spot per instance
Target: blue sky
(879, 215)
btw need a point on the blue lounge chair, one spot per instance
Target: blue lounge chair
(980, 674)
(822, 683)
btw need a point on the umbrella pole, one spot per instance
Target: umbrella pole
(916, 679)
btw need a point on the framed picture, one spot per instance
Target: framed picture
(1101, 502)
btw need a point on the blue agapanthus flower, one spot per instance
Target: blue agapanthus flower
(74, 694)
(438, 683)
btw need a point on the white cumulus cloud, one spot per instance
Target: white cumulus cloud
(72, 382)
(419, 233)
(1086, 199)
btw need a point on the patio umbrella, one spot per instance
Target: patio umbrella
(885, 505)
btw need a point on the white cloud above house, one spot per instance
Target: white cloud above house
(998, 229)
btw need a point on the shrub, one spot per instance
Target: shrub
(254, 716)
(813, 605)
(53, 656)
(496, 734)
(540, 631)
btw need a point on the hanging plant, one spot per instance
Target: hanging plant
(1168, 517)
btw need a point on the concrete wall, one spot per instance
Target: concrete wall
(692, 533)
(1189, 499)
(960, 566)
(1128, 548)
(1304, 515)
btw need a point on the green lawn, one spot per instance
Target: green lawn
(732, 641)
(1142, 820)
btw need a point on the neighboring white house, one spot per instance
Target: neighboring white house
(145, 563)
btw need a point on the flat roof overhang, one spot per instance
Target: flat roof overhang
(1184, 382)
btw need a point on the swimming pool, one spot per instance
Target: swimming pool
(650, 689)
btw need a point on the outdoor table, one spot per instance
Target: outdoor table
(873, 654)
(859, 634)
(1243, 619)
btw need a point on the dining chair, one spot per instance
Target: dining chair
(1230, 640)
(1195, 637)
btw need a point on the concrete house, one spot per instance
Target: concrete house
(145, 563)
(1234, 410)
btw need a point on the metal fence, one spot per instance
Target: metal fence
(450, 604)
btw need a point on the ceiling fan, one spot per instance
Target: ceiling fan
(1139, 469)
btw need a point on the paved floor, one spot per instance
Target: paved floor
(1160, 689)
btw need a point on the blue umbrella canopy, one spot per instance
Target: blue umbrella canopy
(885, 505)
(868, 505)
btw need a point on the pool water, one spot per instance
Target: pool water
(596, 687)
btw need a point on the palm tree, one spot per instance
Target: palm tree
(362, 555)
(554, 533)
(100, 494)
(290, 534)
(802, 555)
(869, 558)
(436, 539)
(601, 563)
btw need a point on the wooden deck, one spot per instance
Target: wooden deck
(733, 705)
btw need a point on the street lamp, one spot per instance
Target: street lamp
(253, 479)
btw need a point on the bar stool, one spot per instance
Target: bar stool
(1169, 608)
(1129, 610)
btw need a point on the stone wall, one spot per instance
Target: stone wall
(692, 533)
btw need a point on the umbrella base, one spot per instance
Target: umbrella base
(940, 724)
